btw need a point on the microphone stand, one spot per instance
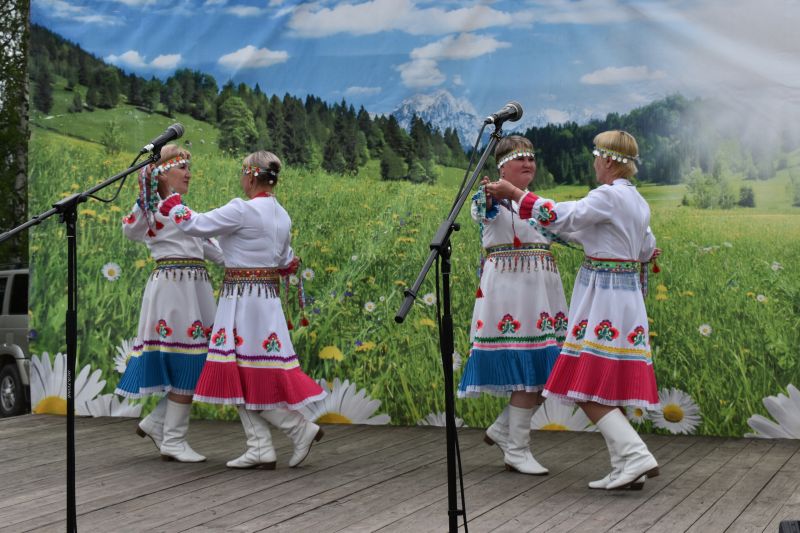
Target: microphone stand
(67, 209)
(440, 247)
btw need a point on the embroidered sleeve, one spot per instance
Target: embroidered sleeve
(568, 217)
(479, 212)
(220, 221)
(134, 225)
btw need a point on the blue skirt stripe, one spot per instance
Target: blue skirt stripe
(503, 371)
(156, 371)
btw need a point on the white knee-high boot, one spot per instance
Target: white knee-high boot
(616, 468)
(176, 424)
(623, 441)
(497, 433)
(153, 424)
(260, 453)
(518, 456)
(302, 432)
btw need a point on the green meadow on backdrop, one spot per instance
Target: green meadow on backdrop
(725, 308)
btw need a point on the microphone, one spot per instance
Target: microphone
(512, 111)
(170, 134)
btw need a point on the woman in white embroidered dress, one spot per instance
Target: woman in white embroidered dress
(177, 309)
(251, 361)
(520, 317)
(606, 360)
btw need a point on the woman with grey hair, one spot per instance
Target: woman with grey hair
(251, 362)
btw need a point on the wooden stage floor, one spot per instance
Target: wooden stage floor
(379, 478)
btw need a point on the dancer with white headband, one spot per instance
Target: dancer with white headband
(520, 316)
(251, 361)
(606, 362)
(177, 309)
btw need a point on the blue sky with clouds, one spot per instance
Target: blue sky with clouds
(559, 58)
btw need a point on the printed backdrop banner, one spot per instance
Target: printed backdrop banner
(373, 107)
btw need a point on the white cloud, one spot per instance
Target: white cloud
(64, 10)
(555, 116)
(375, 16)
(586, 12)
(244, 11)
(134, 3)
(131, 58)
(209, 3)
(252, 57)
(166, 62)
(458, 80)
(421, 73)
(619, 75)
(361, 91)
(134, 59)
(464, 46)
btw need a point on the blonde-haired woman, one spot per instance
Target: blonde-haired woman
(251, 361)
(177, 309)
(606, 360)
(520, 316)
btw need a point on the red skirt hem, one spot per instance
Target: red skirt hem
(604, 380)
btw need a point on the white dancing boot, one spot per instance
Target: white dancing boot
(260, 453)
(518, 456)
(176, 424)
(153, 424)
(632, 453)
(497, 433)
(302, 432)
(616, 469)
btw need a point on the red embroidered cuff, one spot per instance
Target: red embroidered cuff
(291, 269)
(171, 201)
(526, 205)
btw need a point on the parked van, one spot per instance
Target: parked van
(15, 396)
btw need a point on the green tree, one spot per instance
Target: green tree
(77, 103)
(112, 138)
(43, 96)
(14, 32)
(393, 167)
(237, 129)
(747, 197)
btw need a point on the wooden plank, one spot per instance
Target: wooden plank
(704, 458)
(141, 476)
(195, 504)
(486, 488)
(596, 510)
(765, 507)
(368, 478)
(695, 504)
(728, 507)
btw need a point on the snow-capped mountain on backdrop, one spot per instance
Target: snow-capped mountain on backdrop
(443, 110)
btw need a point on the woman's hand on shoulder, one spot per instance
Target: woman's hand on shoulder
(502, 190)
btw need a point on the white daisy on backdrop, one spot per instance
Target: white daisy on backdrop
(49, 385)
(111, 271)
(678, 412)
(438, 419)
(344, 404)
(561, 416)
(110, 405)
(636, 414)
(785, 410)
(124, 351)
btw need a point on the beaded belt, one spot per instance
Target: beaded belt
(176, 266)
(612, 265)
(239, 280)
(527, 257)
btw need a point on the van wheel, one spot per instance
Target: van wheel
(12, 399)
